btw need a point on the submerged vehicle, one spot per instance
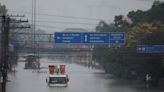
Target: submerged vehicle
(32, 62)
(57, 76)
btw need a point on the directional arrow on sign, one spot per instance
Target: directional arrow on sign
(86, 38)
(117, 41)
(139, 48)
(58, 37)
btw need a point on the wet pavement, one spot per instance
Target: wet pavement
(82, 79)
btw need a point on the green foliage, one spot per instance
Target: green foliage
(125, 62)
(104, 27)
(137, 16)
(118, 20)
(155, 14)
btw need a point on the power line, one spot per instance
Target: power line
(65, 22)
(62, 22)
(47, 26)
(54, 15)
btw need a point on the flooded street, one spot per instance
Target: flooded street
(82, 79)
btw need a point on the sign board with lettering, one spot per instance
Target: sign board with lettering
(117, 38)
(113, 38)
(67, 37)
(150, 48)
(95, 38)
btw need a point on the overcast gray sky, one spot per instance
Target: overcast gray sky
(92, 9)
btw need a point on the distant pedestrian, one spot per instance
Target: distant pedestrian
(148, 80)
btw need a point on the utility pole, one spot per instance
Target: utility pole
(6, 20)
(4, 49)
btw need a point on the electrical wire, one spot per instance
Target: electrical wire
(53, 27)
(65, 22)
(54, 15)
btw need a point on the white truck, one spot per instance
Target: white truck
(57, 76)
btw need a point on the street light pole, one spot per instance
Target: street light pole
(34, 24)
(36, 52)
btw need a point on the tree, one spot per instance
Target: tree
(147, 29)
(137, 16)
(3, 9)
(118, 20)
